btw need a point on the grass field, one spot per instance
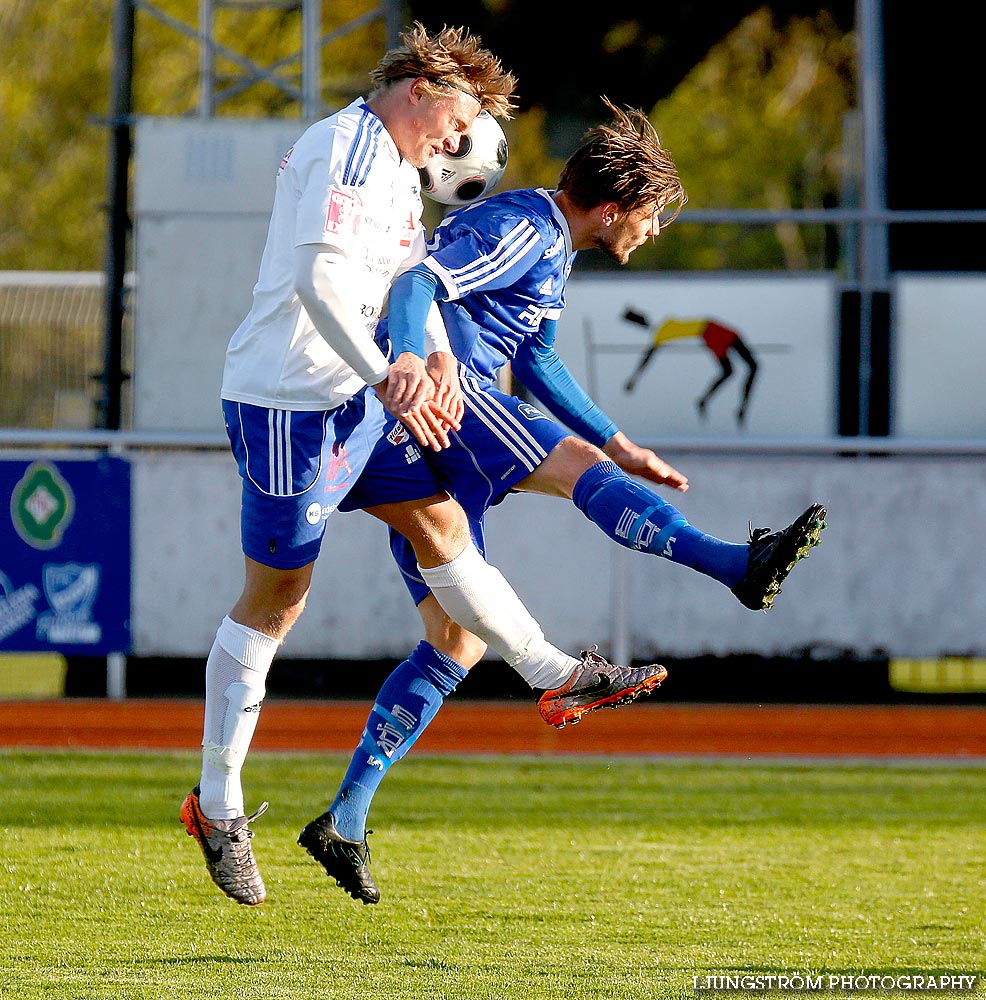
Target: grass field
(501, 878)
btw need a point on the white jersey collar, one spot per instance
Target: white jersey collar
(388, 140)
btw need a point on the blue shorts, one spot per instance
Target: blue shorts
(502, 441)
(297, 467)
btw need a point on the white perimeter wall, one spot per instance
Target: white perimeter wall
(202, 199)
(901, 568)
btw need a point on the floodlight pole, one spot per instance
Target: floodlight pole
(118, 225)
(311, 59)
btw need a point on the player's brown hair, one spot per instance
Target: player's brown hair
(624, 162)
(452, 57)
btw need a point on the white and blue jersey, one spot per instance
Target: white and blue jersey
(498, 270)
(345, 185)
(300, 419)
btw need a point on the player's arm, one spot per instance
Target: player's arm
(539, 367)
(432, 384)
(320, 281)
(412, 296)
(440, 368)
(443, 367)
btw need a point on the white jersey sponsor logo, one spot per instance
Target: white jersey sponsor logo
(343, 214)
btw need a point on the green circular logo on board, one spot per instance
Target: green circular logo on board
(42, 506)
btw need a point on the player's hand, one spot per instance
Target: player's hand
(429, 423)
(408, 393)
(407, 384)
(444, 371)
(642, 462)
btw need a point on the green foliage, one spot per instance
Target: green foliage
(759, 124)
(53, 88)
(55, 92)
(548, 878)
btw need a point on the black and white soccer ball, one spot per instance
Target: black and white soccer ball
(473, 170)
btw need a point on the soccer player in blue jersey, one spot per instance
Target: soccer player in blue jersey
(305, 386)
(497, 270)
(300, 414)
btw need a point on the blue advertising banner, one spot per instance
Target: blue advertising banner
(65, 556)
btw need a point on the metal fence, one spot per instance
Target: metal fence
(51, 348)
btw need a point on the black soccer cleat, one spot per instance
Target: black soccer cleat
(773, 555)
(344, 860)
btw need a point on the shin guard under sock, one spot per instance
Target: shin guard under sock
(637, 518)
(408, 700)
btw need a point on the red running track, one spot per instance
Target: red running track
(917, 732)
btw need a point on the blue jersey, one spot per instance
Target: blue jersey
(498, 270)
(503, 263)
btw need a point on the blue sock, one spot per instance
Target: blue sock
(638, 518)
(408, 700)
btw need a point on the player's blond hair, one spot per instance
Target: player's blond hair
(452, 57)
(624, 162)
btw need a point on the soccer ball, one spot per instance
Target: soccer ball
(473, 170)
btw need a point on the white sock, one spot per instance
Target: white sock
(476, 596)
(235, 685)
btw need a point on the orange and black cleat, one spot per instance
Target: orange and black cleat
(596, 683)
(226, 846)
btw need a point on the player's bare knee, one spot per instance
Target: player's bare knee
(288, 598)
(560, 471)
(272, 599)
(438, 532)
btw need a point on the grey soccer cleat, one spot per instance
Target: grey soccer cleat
(596, 683)
(773, 555)
(344, 860)
(226, 846)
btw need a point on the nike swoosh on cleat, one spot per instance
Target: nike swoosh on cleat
(602, 685)
(214, 854)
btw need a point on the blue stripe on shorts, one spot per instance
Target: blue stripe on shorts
(297, 467)
(502, 440)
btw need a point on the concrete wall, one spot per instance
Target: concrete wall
(901, 568)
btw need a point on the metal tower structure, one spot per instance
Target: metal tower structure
(213, 90)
